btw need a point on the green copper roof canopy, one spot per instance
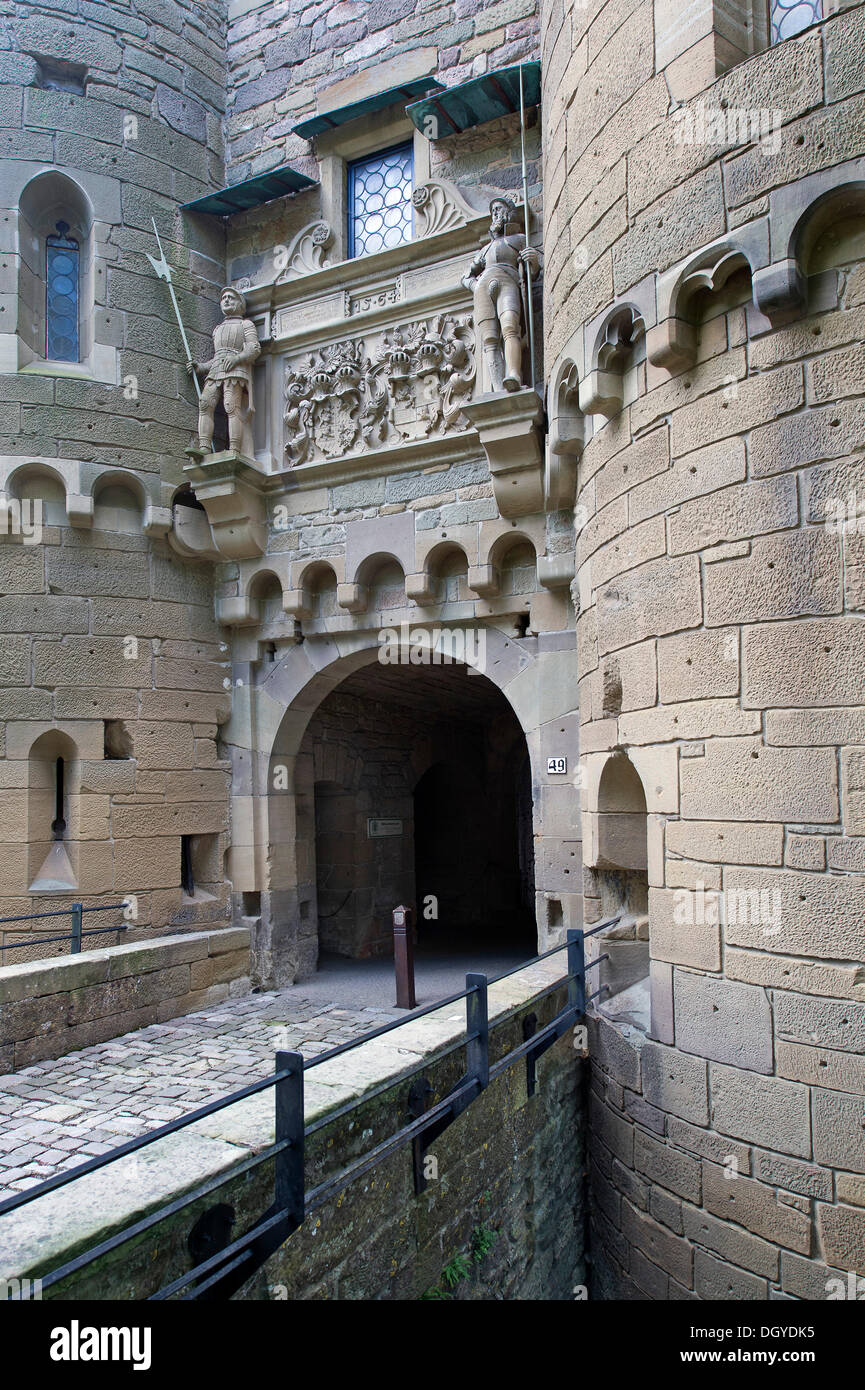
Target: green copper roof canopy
(252, 192)
(472, 103)
(329, 120)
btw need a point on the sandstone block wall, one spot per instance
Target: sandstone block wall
(112, 657)
(720, 622)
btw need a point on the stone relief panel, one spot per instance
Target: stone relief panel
(406, 383)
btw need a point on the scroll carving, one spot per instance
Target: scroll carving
(439, 207)
(307, 253)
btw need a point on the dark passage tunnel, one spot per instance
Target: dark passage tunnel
(420, 789)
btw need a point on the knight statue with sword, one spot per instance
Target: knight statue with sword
(500, 301)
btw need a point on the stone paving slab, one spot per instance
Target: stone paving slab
(59, 1113)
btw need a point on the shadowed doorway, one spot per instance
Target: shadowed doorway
(415, 787)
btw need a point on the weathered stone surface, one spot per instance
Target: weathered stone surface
(755, 1206)
(728, 1022)
(793, 905)
(726, 842)
(717, 1280)
(675, 1083)
(839, 1126)
(761, 1110)
(656, 598)
(739, 1247)
(773, 784)
(666, 1166)
(803, 663)
(681, 932)
(842, 1233)
(784, 576)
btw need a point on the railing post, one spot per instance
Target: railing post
(403, 958)
(288, 1192)
(478, 1023)
(77, 911)
(577, 970)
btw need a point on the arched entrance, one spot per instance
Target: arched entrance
(416, 798)
(399, 783)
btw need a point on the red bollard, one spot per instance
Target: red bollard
(403, 958)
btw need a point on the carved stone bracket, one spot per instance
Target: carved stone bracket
(229, 486)
(440, 207)
(779, 292)
(602, 391)
(238, 611)
(510, 428)
(307, 252)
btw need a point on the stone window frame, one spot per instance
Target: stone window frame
(367, 135)
(49, 196)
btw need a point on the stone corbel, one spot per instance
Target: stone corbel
(240, 611)
(565, 440)
(556, 571)
(484, 580)
(509, 424)
(601, 393)
(602, 388)
(229, 487)
(79, 509)
(672, 344)
(353, 597)
(295, 604)
(779, 292)
(157, 521)
(420, 588)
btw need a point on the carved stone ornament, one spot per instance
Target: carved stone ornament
(307, 253)
(339, 400)
(439, 207)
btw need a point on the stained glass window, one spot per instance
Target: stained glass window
(790, 17)
(61, 296)
(379, 201)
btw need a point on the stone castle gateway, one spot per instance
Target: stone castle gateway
(565, 415)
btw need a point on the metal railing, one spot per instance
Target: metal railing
(231, 1266)
(76, 936)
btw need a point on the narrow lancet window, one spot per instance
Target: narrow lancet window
(61, 296)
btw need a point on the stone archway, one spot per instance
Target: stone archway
(273, 852)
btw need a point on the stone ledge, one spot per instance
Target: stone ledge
(127, 987)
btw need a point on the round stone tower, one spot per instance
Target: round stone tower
(112, 663)
(704, 315)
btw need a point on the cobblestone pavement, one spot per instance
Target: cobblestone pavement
(60, 1113)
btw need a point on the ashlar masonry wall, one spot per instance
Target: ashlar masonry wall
(707, 297)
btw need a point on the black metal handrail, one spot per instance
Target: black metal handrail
(292, 1203)
(76, 912)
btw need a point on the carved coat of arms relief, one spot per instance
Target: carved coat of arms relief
(412, 384)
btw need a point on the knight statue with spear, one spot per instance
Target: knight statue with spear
(501, 303)
(229, 374)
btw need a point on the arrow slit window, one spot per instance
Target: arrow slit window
(61, 295)
(379, 201)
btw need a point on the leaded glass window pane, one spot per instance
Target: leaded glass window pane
(379, 201)
(790, 17)
(61, 296)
